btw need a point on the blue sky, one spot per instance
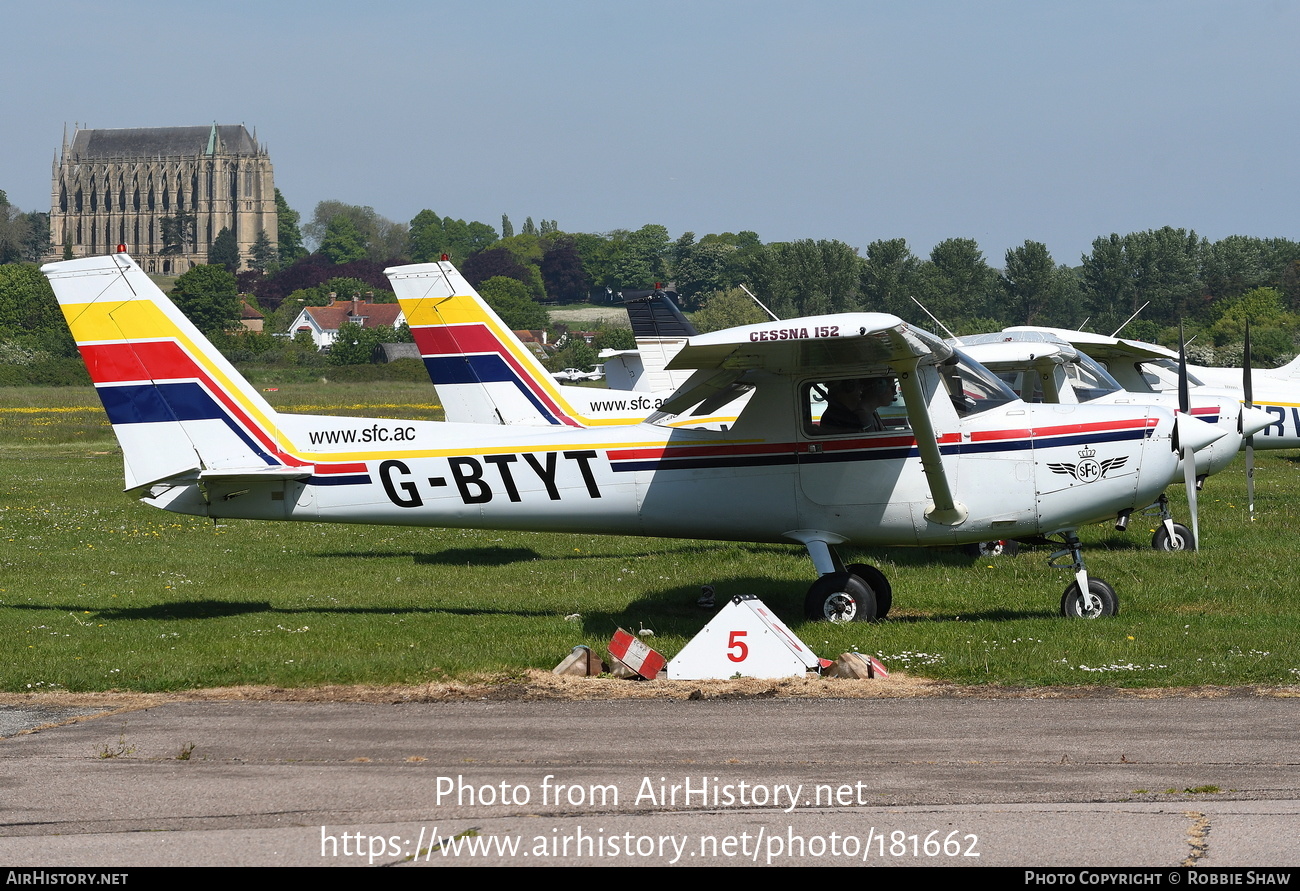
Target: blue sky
(998, 121)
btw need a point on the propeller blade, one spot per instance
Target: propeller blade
(1189, 481)
(1248, 389)
(1184, 393)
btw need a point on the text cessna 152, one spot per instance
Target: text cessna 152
(961, 465)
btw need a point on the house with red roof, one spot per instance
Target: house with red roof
(324, 322)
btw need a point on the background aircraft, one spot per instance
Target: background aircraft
(968, 459)
(483, 374)
(1044, 368)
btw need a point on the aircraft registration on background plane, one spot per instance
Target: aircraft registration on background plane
(966, 461)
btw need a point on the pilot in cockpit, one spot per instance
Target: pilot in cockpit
(852, 405)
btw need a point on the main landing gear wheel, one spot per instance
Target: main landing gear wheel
(840, 597)
(1180, 541)
(1101, 601)
(878, 584)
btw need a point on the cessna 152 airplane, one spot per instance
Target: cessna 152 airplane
(1042, 367)
(967, 461)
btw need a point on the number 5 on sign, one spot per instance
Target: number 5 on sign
(744, 638)
(737, 651)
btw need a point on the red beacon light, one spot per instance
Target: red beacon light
(121, 249)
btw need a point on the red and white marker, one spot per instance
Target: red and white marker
(632, 652)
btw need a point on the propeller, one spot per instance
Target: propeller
(1250, 439)
(1186, 452)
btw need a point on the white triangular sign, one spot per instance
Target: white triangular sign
(745, 638)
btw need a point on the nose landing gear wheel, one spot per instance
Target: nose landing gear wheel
(1101, 601)
(1181, 540)
(840, 597)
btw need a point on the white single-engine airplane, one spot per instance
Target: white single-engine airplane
(968, 462)
(1041, 367)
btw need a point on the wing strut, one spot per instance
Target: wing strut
(946, 510)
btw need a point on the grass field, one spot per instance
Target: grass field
(99, 592)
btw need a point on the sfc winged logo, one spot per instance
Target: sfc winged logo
(1088, 468)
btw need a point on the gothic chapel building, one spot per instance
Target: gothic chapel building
(163, 192)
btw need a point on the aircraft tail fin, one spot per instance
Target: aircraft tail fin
(178, 408)
(483, 373)
(661, 330)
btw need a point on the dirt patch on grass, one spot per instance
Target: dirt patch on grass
(542, 685)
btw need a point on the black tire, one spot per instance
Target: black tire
(1104, 601)
(878, 584)
(1005, 548)
(1181, 541)
(840, 597)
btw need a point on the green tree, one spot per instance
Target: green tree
(807, 277)
(509, 298)
(639, 259)
(342, 242)
(889, 278)
(209, 296)
(1032, 285)
(956, 282)
(380, 238)
(727, 309)
(1159, 267)
(224, 251)
(29, 314)
(36, 240)
(356, 345)
(507, 228)
(430, 236)
(178, 233)
(287, 233)
(262, 256)
(11, 231)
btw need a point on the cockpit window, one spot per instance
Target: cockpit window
(853, 405)
(972, 387)
(1089, 379)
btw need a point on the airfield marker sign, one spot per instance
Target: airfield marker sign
(745, 638)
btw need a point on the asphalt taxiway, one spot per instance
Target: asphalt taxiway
(1166, 783)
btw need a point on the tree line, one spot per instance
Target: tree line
(1169, 274)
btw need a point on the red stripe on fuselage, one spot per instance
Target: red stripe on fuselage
(1062, 430)
(875, 442)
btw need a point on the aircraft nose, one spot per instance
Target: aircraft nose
(1254, 420)
(1195, 434)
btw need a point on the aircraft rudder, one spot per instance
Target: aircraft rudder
(483, 371)
(175, 403)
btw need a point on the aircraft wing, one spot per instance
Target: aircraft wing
(1103, 348)
(830, 344)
